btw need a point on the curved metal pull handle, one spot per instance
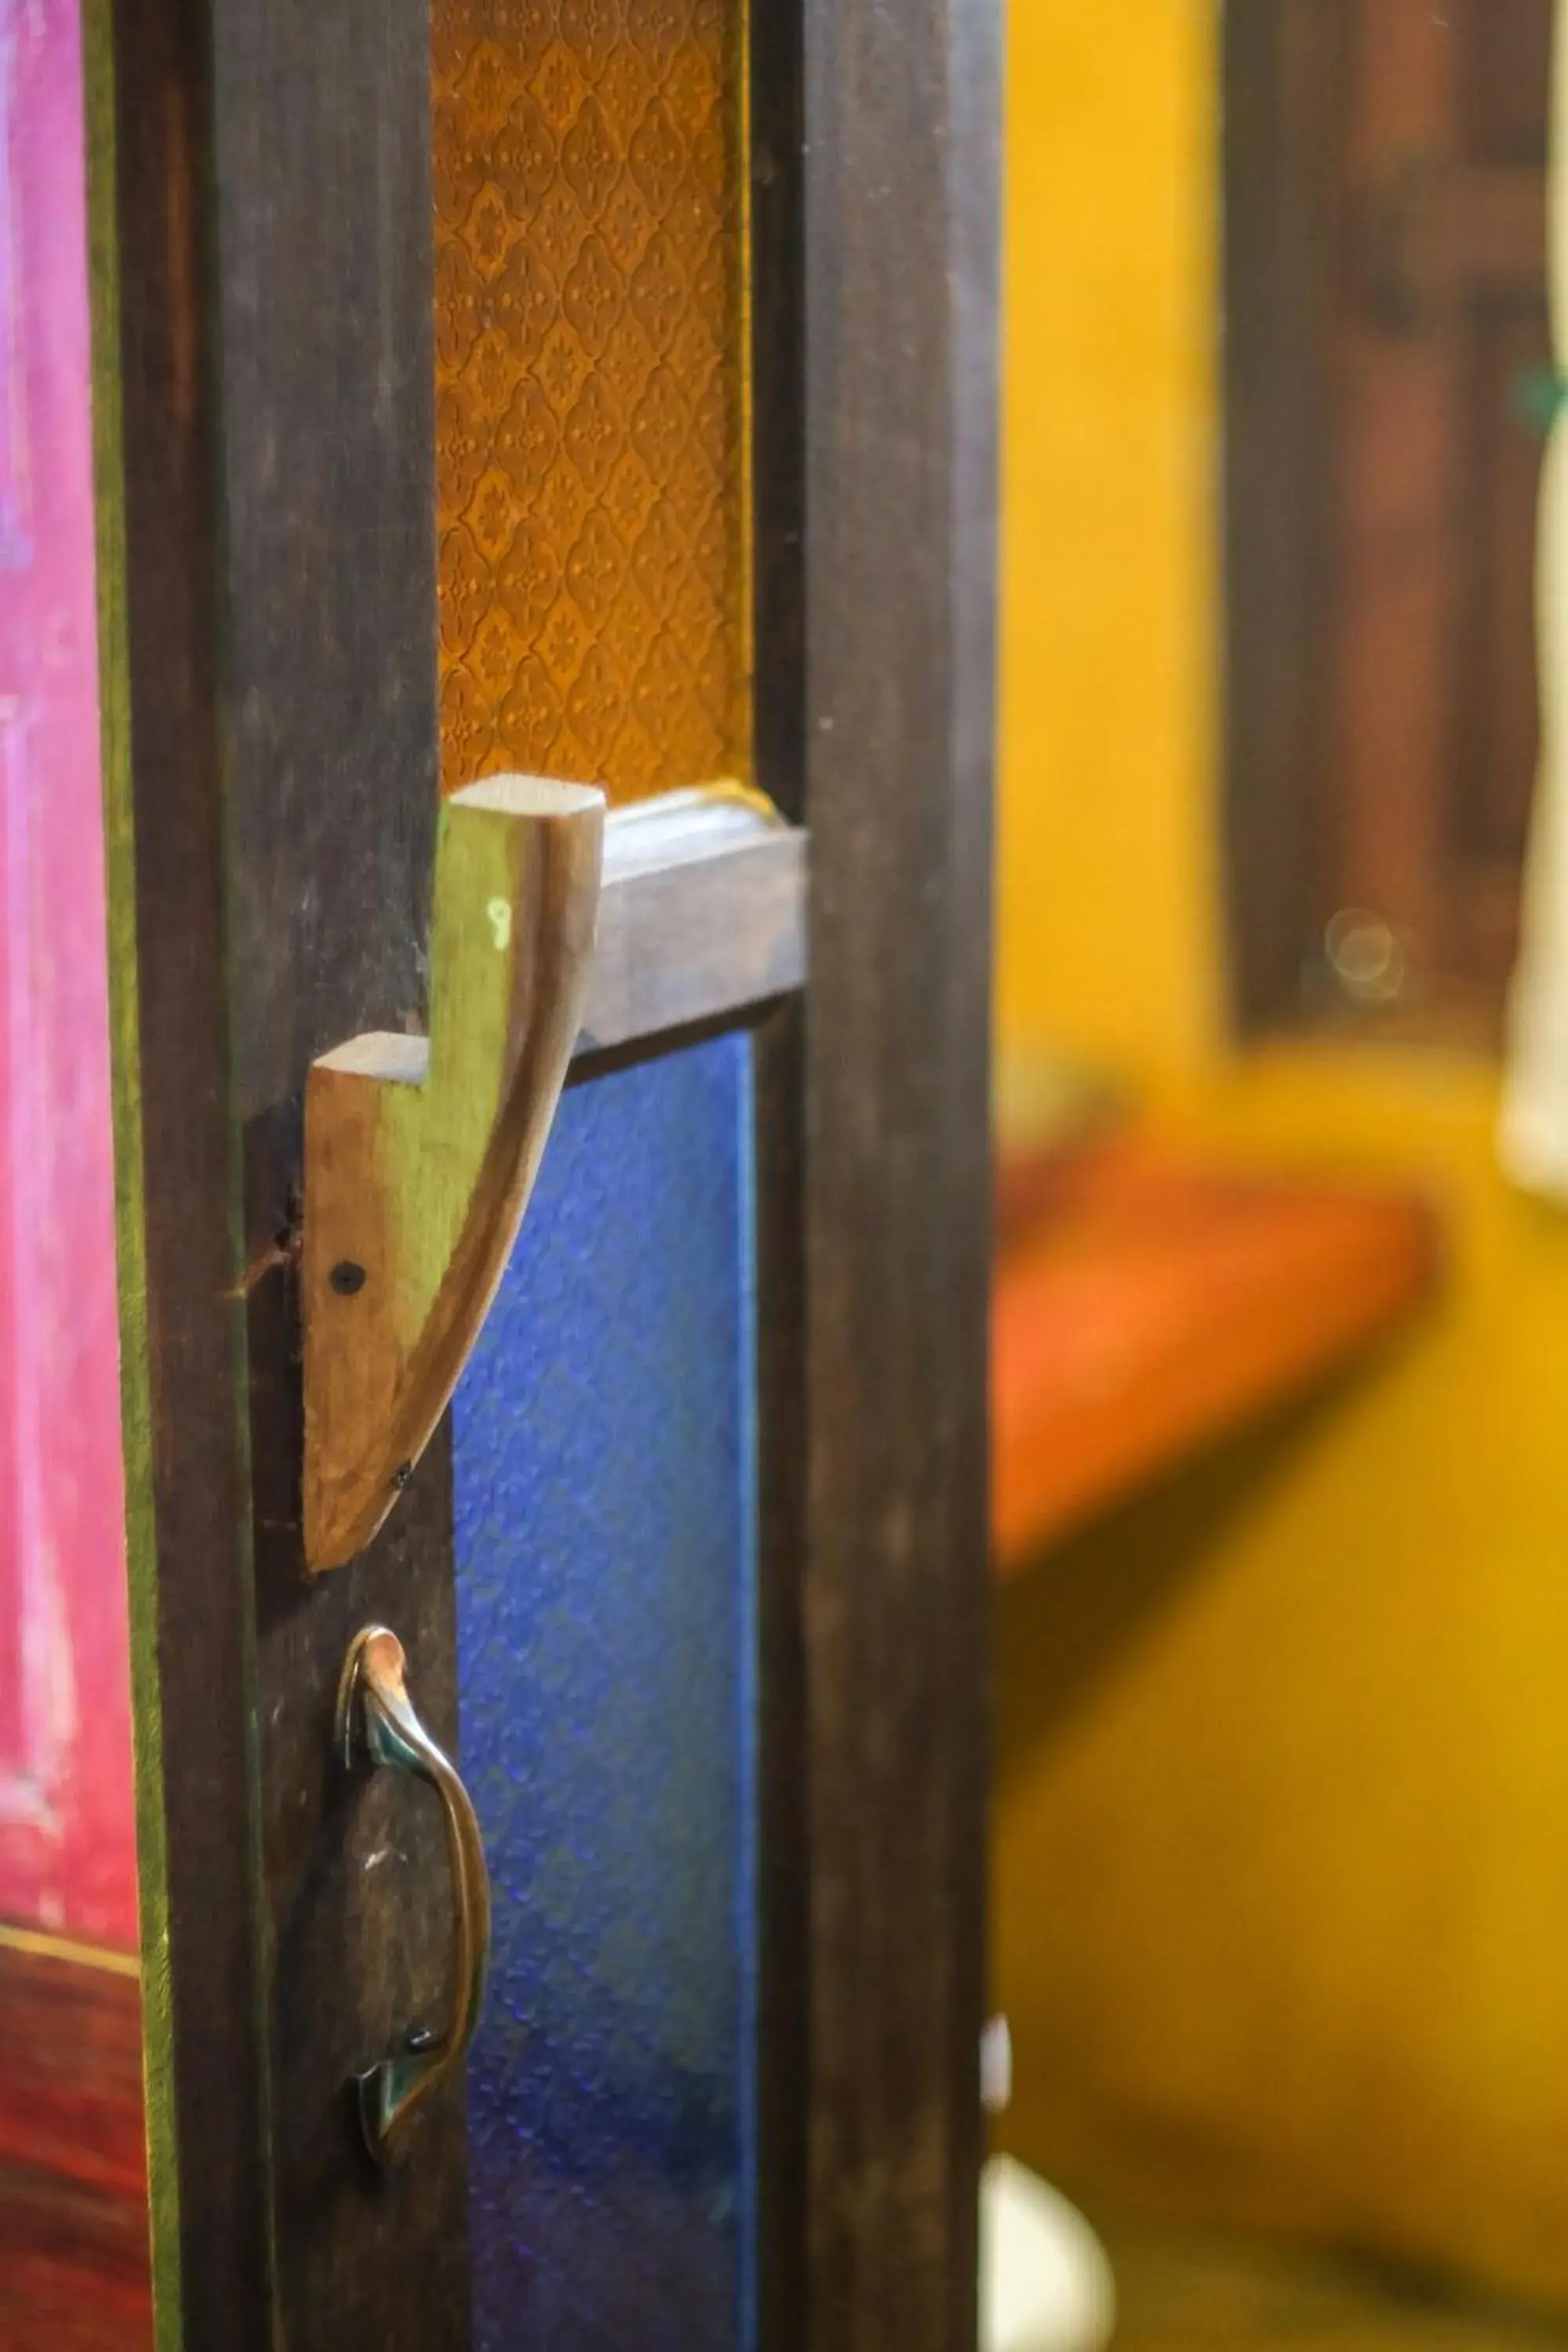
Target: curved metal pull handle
(376, 1721)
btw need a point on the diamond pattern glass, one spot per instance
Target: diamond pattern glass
(604, 1475)
(590, 236)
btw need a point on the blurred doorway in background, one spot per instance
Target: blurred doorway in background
(1282, 1787)
(1388, 386)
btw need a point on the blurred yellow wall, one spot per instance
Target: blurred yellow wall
(1106, 880)
(1281, 1829)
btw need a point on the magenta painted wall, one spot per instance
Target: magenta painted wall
(67, 1836)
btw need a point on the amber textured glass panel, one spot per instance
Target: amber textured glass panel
(590, 238)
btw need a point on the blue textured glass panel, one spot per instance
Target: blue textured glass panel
(605, 1468)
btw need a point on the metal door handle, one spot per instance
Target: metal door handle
(376, 1722)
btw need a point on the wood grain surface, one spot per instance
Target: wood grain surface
(420, 1152)
(75, 2269)
(276, 214)
(182, 1340)
(901, 123)
(703, 916)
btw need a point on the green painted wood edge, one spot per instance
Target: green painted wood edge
(136, 1421)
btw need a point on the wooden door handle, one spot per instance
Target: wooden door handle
(420, 1153)
(376, 1722)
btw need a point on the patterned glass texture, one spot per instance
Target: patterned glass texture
(604, 1497)
(590, 234)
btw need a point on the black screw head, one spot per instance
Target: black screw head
(402, 1474)
(417, 2038)
(347, 1279)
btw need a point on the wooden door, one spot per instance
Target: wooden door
(602, 391)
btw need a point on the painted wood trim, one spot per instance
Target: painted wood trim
(73, 2172)
(703, 916)
(183, 1375)
(420, 1153)
(70, 2083)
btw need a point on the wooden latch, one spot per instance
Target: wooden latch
(420, 1153)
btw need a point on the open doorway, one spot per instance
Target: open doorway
(1281, 1823)
(1388, 386)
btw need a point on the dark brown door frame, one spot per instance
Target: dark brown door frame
(272, 793)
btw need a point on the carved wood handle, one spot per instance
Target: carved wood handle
(420, 1153)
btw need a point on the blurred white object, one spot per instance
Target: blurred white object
(1044, 2282)
(1534, 1131)
(996, 2067)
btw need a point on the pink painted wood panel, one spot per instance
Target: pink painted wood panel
(67, 1833)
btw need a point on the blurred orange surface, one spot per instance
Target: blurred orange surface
(1147, 1305)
